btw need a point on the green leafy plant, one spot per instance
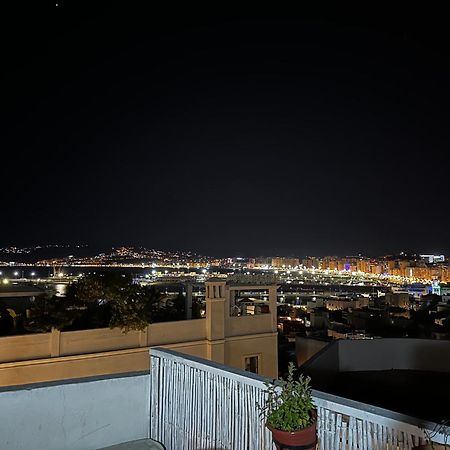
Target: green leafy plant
(46, 313)
(289, 403)
(116, 301)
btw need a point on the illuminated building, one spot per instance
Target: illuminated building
(285, 262)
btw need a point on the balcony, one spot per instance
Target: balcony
(186, 403)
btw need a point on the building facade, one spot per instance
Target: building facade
(246, 342)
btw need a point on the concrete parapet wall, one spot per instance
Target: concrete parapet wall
(61, 355)
(238, 326)
(77, 415)
(382, 354)
(22, 348)
(399, 354)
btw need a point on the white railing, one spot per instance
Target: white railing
(201, 405)
(346, 424)
(197, 404)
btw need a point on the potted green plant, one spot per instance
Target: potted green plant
(290, 413)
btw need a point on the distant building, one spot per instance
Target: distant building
(436, 287)
(315, 302)
(279, 263)
(311, 263)
(376, 269)
(433, 258)
(398, 299)
(445, 294)
(338, 304)
(319, 318)
(367, 318)
(414, 290)
(18, 297)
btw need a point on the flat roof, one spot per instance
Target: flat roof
(17, 290)
(416, 393)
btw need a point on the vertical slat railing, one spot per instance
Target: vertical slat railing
(196, 404)
(201, 405)
(347, 425)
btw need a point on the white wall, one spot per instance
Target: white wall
(387, 354)
(306, 348)
(382, 354)
(79, 416)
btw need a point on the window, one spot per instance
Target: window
(252, 363)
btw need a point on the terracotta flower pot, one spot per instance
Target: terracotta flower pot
(304, 439)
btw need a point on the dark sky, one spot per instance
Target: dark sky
(260, 132)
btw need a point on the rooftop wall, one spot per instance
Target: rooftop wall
(75, 416)
(387, 354)
(183, 331)
(68, 343)
(237, 326)
(22, 348)
(58, 355)
(63, 355)
(306, 348)
(382, 354)
(97, 340)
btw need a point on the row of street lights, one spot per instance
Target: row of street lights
(16, 274)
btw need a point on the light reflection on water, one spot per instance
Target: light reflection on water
(60, 289)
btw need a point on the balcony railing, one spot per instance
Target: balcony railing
(187, 403)
(197, 404)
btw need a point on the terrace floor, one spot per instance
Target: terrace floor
(421, 394)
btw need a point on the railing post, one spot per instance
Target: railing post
(55, 342)
(143, 337)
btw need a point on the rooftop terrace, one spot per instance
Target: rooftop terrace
(186, 403)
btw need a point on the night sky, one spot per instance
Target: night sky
(232, 132)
